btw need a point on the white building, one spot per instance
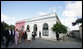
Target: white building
(43, 24)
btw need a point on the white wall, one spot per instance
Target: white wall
(50, 22)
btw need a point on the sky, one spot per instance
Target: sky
(67, 11)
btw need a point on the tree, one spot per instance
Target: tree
(59, 28)
(5, 24)
(12, 26)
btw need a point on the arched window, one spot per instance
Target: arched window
(45, 29)
(22, 26)
(28, 28)
(35, 29)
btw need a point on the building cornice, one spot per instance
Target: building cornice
(47, 16)
(40, 19)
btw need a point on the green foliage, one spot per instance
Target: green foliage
(58, 27)
(6, 25)
(12, 26)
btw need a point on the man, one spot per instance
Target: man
(32, 35)
(2, 40)
(13, 35)
(8, 36)
(25, 36)
(39, 34)
(57, 35)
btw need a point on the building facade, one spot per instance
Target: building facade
(20, 25)
(43, 24)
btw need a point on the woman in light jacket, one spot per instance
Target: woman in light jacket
(29, 35)
(16, 36)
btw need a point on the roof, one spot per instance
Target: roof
(47, 16)
(21, 21)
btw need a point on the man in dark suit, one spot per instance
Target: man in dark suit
(13, 35)
(2, 33)
(8, 36)
(39, 34)
(57, 35)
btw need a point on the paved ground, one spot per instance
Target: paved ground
(40, 43)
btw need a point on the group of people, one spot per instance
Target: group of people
(8, 34)
(27, 36)
(16, 36)
(13, 36)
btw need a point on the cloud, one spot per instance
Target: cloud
(42, 13)
(66, 2)
(73, 10)
(49, 10)
(68, 22)
(8, 20)
(52, 9)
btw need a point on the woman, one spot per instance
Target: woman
(20, 36)
(16, 36)
(29, 35)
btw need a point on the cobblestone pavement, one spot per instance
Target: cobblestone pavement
(40, 43)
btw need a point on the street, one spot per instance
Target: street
(40, 43)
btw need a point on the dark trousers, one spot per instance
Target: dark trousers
(12, 39)
(39, 35)
(58, 38)
(33, 37)
(8, 39)
(1, 38)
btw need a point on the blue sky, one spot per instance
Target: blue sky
(19, 10)
(28, 8)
